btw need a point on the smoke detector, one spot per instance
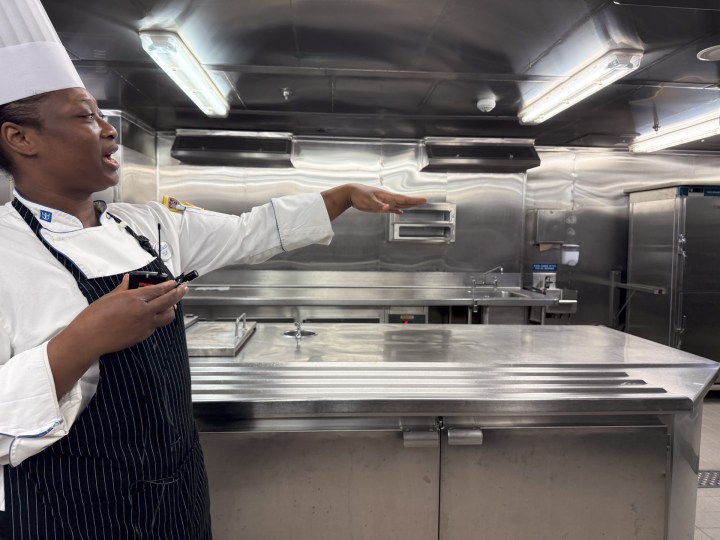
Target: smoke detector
(711, 54)
(486, 104)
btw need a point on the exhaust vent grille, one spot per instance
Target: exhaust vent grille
(480, 155)
(431, 223)
(233, 148)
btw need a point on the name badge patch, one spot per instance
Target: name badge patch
(45, 215)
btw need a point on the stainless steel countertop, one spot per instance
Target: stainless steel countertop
(389, 369)
(365, 296)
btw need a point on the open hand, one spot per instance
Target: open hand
(371, 199)
(367, 199)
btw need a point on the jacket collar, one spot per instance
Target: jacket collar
(58, 221)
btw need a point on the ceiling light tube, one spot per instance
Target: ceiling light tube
(700, 127)
(175, 58)
(607, 69)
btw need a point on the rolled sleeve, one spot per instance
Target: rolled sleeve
(302, 220)
(31, 416)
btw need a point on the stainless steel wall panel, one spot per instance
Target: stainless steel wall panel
(489, 229)
(589, 185)
(489, 206)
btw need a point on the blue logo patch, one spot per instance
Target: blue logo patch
(45, 215)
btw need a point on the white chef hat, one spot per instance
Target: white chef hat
(32, 59)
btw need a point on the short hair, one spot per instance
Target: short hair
(24, 112)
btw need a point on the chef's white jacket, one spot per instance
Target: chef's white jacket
(39, 297)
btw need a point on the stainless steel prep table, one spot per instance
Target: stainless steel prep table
(452, 431)
(335, 297)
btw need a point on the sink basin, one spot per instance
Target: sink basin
(499, 293)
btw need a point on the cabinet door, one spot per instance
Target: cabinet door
(548, 484)
(321, 486)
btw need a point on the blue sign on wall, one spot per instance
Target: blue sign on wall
(544, 267)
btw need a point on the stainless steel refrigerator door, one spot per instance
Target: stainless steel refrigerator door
(653, 260)
(702, 244)
(700, 314)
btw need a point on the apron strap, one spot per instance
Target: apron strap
(35, 226)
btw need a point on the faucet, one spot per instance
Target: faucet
(474, 283)
(495, 280)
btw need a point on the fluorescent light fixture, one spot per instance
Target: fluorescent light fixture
(693, 129)
(175, 58)
(607, 69)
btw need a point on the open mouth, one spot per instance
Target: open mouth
(111, 161)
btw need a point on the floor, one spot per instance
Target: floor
(707, 517)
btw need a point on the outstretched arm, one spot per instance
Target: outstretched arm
(367, 199)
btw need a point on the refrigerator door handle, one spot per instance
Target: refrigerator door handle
(681, 246)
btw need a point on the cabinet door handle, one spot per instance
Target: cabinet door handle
(421, 439)
(465, 437)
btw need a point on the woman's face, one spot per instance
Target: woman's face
(75, 145)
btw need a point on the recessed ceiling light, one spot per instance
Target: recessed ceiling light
(711, 54)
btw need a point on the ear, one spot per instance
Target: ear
(19, 139)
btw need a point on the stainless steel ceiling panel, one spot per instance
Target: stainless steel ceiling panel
(459, 97)
(364, 34)
(668, 105)
(394, 96)
(681, 65)
(251, 32)
(400, 69)
(100, 30)
(498, 36)
(677, 4)
(284, 92)
(605, 117)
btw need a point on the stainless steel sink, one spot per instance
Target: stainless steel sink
(499, 293)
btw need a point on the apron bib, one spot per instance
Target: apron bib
(131, 466)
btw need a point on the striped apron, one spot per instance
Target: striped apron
(131, 467)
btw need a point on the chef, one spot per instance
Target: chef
(97, 439)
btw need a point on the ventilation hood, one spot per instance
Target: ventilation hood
(443, 155)
(234, 148)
